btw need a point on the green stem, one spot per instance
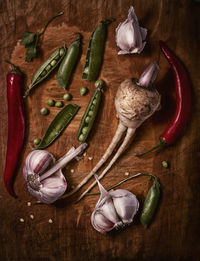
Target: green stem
(123, 181)
(42, 30)
(160, 144)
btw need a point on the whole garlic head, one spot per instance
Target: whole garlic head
(114, 209)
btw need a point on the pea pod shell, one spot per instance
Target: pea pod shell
(150, 204)
(37, 77)
(68, 63)
(59, 123)
(94, 56)
(97, 95)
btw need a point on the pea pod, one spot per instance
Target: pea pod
(46, 68)
(94, 56)
(150, 203)
(90, 114)
(68, 63)
(58, 124)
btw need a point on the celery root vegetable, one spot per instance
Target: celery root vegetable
(135, 101)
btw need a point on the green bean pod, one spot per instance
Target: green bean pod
(68, 63)
(46, 68)
(94, 56)
(90, 115)
(59, 123)
(150, 203)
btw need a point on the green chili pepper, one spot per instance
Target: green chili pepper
(90, 115)
(46, 68)
(58, 124)
(95, 52)
(150, 203)
(69, 62)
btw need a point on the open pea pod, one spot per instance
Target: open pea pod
(95, 51)
(58, 124)
(46, 68)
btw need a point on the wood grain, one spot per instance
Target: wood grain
(174, 233)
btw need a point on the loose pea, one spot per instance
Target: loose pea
(85, 130)
(44, 111)
(99, 83)
(94, 102)
(53, 63)
(67, 96)
(165, 164)
(87, 119)
(59, 104)
(90, 113)
(51, 102)
(62, 51)
(81, 137)
(83, 90)
(36, 141)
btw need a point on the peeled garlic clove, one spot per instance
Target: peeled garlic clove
(37, 162)
(126, 204)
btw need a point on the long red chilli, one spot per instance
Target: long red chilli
(16, 126)
(183, 100)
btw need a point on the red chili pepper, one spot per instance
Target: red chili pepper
(16, 126)
(183, 100)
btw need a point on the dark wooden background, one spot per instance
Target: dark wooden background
(174, 233)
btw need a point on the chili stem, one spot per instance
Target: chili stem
(42, 30)
(141, 154)
(123, 181)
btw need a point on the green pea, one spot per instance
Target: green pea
(44, 111)
(51, 102)
(62, 51)
(94, 102)
(86, 70)
(165, 164)
(83, 90)
(90, 113)
(92, 108)
(36, 141)
(59, 104)
(85, 130)
(99, 84)
(44, 73)
(53, 63)
(87, 119)
(81, 137)
(67, 96)
(48, 67)
(57, 57)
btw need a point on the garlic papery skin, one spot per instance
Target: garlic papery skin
(149, 75)
(48, 185)
(129, 35)
(114, 209)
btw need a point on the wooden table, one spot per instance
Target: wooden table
(174, 232)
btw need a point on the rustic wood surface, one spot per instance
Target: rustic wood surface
(174, 233)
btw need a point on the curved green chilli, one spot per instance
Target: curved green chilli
(68, 63)
(58, 124)
(94, 56)
(150, 203)
(91, 107)
(46, 68)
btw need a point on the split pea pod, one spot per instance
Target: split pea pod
(46, 68)
(68, 63)
(150, 203)
(90, 113)
(95, 51)
(59, 123)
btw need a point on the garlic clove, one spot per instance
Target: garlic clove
(129, 35)
(149, 75)
(126, 204)
(101, 223)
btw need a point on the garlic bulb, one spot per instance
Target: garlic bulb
(129, 35)
(47, 185)
(114, 209)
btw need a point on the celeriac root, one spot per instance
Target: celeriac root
(117, 137)
(122, 148)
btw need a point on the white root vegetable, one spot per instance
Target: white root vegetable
(134, 104)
